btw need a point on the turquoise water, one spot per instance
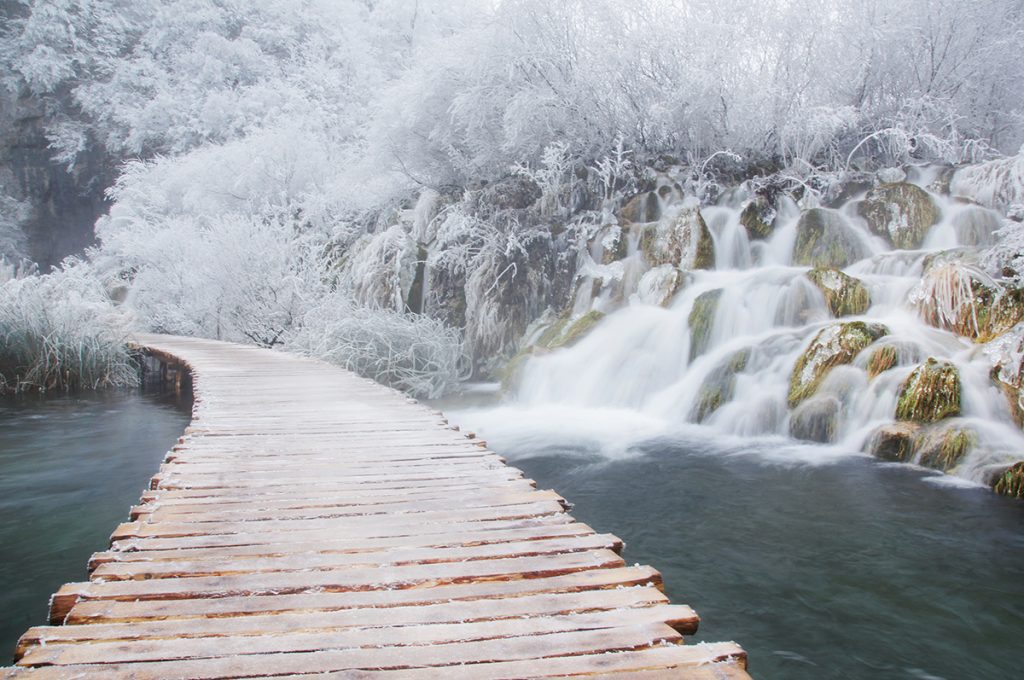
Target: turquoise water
(851, 569)
(70, 467)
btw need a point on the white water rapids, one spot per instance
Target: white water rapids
(633, 376)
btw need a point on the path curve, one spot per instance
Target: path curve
(314, 522)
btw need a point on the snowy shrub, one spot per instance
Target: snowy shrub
(410, 352)
(996, 184)
(61, 331)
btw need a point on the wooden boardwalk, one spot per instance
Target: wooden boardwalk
(313, 522)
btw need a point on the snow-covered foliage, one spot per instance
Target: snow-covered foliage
(61, 331)
(411, 352)
(274, 148)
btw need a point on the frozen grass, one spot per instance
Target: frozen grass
(61, 332)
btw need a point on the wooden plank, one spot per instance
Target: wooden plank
(304, 561)
(258, 664)
(290, 621)
(622, 578)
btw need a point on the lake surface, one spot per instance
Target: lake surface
(70, 468)
(820, 565)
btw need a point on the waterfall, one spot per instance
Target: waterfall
(717, 359)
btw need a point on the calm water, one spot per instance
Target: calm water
(70, 467)
(843, 569)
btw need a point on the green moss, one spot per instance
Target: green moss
(552, 333)
(579, 328)
(882, 359)
(705, 256)
(844, 295)
(944, 448)
(833, 346)
(901, 213)
(1011, 481)
(719, 386)
(824, 240)
(930, 393)
(510, 373)
(701, 321)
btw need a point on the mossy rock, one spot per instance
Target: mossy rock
(702, 320)
(614, 242)
(512, 371)
(719, 386)
(644, 207)
(902, 213)
(894, 442)
(684, 241)
(844, 295)
(824, 239)
(816, 420)
(1011, 481)
(833, 346)
(758, 217)
(659, 286)
(882, 359)
(577, 330)
(943, 448)
(552, 333)
(930, 393)
(981, 309)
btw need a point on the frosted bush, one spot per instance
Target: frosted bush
(996, 184)
(413, 353)
(61, 331)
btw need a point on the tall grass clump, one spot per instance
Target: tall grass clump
(60, 331)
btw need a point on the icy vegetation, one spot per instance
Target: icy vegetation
(549, 192)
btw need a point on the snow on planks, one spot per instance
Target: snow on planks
(313, 522)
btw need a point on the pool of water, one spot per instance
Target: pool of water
(70, 467)
(820, 565)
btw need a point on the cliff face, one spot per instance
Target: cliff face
(65, 202)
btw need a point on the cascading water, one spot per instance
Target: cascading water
(721, 351)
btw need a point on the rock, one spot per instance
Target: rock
(930, 393)
(702, 320)
(719, 386)
(943, 448)
(844, 294)
(957, 296)
(758, 217)
(816, 420)
(1011, 481)
(575, 331)
(882, 359)
(833, 346)
(824, 239)
(900, 212)
(891, 175)
(894, 442)
(644, 207)
(659, 286)
(509, 193)
(940, 185)
(684, 241)
(614, 242)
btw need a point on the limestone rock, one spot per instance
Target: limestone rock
(720, 386)
(844, 294)
(644, 207)
(824, 239)
(943, 447)
(816, 420)
(930, 393)
(758, 217)
(1011, 481)
(684, 241)
(833, 346)
(702, 319)
(900, 212)
(894, 442)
